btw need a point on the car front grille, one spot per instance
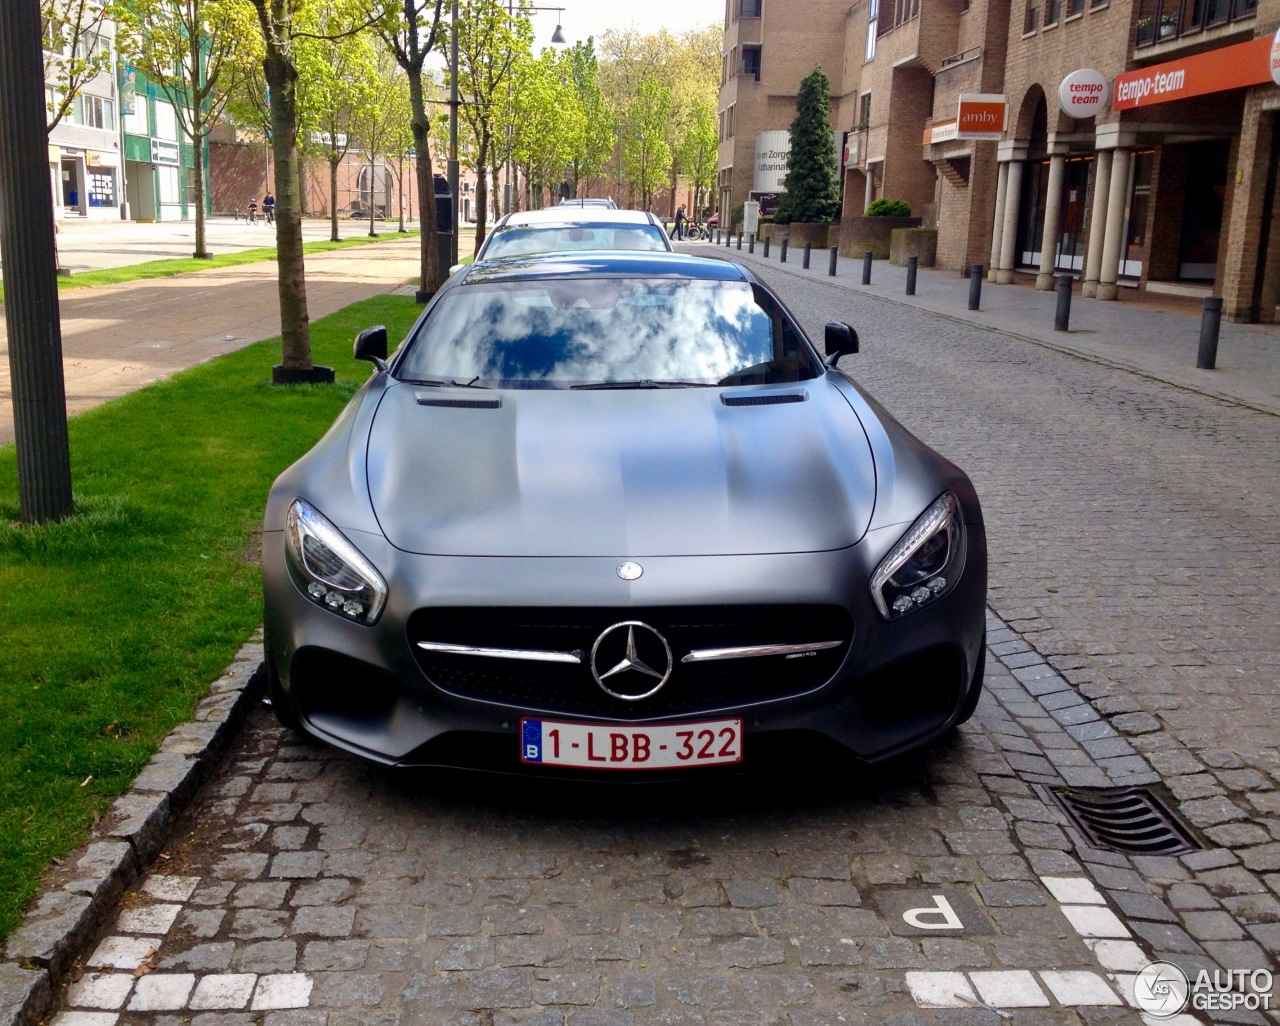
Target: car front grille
(568, 689)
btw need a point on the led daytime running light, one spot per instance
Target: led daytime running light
(336, 573)
(942, 515)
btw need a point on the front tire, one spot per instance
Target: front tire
(281, 703)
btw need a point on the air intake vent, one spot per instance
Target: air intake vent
(764, 400)
(459, 404)
(1126, 819)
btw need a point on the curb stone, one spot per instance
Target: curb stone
(64, 921)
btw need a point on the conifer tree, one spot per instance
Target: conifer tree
(813, 188)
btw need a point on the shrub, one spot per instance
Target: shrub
(888, 208)
(735, 215)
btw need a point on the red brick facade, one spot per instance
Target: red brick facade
(1193, 209)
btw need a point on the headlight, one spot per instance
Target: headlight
(333, 572)
(925, 563)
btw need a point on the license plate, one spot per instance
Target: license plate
(621, 747)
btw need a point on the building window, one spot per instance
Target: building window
(136, 122)
(873, 16)
(102, 188)
(166, 121)
(1031, 20)
(1051, 12)
(751, 62)
(1075, 7)
(170, 189)
(749, 8)
(1162, 20)
(864, 112)
(94, 112)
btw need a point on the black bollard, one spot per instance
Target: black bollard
(1210, 324)
(1062, 316)
(717, 236)
(831, 267)
(782, 253)
(766, 247)
(866, 267)
(807, 247)
(912, 264)
(975, 286)
(739, 240)
(728, 239)
(751, 243)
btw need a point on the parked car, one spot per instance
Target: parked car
(614, 511)
(590, 201)
(555, 229)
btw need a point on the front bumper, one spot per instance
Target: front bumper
(898, 686)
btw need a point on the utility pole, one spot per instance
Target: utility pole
(30, 271)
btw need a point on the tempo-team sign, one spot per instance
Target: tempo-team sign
(1084, 93)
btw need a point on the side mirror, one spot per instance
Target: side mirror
(371, 345)
(455, 269)
(841, 340)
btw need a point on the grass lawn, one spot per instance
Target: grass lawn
(116, 620)
(187, 265)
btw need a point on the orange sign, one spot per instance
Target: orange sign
(981, 116)
(1232, 67)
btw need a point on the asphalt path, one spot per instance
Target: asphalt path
(118, 338)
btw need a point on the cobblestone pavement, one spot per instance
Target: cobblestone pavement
(1133, 640)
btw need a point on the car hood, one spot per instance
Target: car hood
(670, 472)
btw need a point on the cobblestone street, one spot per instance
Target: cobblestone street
(1132, 640)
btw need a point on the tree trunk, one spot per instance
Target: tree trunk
(482, 189)
(202, 252)
(400, 192)
(373, 173)
(295, 325)
(333, 194)
(493, 181)
(430, 277)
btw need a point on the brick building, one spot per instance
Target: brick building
(1170, 185)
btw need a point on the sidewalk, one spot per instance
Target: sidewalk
(1153, 335)
(118, 338)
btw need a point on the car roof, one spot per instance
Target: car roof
(598, 263)
(571, 215)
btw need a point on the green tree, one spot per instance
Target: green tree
(378, 123)
(282, 25)
(547, 121)
(193, 51)
(338, 79)
(812, 182)
(593, 145)
(76, 50)
(646, 156)
(490, 43)
(699, 151)
(411, 31)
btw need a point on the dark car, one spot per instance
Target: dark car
(607, 511)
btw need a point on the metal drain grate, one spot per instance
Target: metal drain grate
(1127, 819)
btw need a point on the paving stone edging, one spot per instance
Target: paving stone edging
(64, 921)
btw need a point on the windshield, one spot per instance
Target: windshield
(606, 332)
(524, 239)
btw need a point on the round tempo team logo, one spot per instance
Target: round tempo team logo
(1161, 990)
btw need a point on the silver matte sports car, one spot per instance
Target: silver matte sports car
(613, 511)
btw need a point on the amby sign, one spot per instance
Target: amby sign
(981, 116)
(1084, 93)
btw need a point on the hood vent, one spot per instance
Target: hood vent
(773, 399)
(425, 399)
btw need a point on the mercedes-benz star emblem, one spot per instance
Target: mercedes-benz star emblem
(631, 661)
(629, 571)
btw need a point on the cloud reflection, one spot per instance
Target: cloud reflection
(553, 333)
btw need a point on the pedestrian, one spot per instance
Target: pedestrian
(253, 211)
(269, 208)
(677, 232)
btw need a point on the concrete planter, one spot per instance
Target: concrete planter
(859, 234)
(921, 243)
(819, 234)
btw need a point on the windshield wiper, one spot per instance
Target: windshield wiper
(451, 383)
(644, 383)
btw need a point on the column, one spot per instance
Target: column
(1097, 221)
(1109, 270)
(1052, 218)
(997, 224)
(869, 193)
(1009, 235)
